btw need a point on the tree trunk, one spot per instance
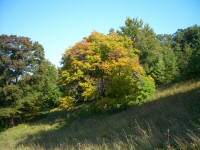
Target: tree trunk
(103, 87)
(11, 121)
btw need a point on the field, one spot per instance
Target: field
(170, 120)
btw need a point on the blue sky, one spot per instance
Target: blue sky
(58, 24)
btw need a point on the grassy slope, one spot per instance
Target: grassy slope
(171, 119)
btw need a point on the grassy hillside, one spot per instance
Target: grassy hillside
(171, 120)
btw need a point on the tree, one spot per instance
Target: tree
(102, 66)
(44, 80)
(23, 77)
(169, 66)
(157, 58)
(186, 44)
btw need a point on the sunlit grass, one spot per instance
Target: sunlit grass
(178, 88)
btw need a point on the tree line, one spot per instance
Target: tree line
(104, 71)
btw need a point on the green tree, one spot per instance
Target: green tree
(102, 66)
(18, 57)
(44, 80)
(186, 44)
(156, 56)
(25, 77)
(168, 61)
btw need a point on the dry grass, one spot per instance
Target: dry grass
(177, 88)
(170, 121)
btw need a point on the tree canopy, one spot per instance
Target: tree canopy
(103, 66)
(186, 45)
(157, 57)
(26, 78)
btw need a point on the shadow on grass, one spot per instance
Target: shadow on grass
(49, 117)
(173, 115)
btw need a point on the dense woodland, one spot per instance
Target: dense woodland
(104, 72)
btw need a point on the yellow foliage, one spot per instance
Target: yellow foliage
(106, 67)
(77, 63)
(65, 77)
(89, 88)
(100, 65)
(67, 102)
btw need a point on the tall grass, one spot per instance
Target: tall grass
(170, 121)
(177, 88)
(130, 142)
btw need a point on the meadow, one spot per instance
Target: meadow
(169, 121)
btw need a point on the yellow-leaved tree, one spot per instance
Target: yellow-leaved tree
(104, 70)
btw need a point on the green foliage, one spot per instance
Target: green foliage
(18, 58)
(44, 80)
(156, 55)
(116, 86)
(145, 89)
(28, 83)
(167, 58)
(102, 67)
(186, 44)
